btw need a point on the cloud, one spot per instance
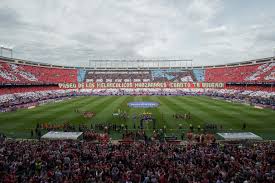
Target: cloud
(67, 32)
(216, 30)
(267, 35)
(8, 18)
(201, 11)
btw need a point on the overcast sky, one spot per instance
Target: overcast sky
(69, 32)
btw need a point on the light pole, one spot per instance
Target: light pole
(7, 49)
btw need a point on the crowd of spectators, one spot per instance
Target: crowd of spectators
(248, 73)
(118, 76)
(11, 73)
(251, 88)
(173, 75)
(19, 99)
(91, 135)
(107, 126)
(25, 89)
(84, 161)
(245, 73)
(164, 75)
(14, 96)
(251, 97)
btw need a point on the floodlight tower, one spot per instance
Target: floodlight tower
(5, 48)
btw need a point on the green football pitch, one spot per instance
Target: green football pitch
(203, 110)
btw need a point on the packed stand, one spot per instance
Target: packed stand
(25, 74)
(118, 76)
(174, 75)
(71, 161)
(21, 100)
(249, 97)
(25, 89)
(248, 73)
(251, 88)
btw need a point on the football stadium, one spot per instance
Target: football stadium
(228, 98)
(136, 120)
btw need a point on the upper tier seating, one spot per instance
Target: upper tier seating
(25, 74)
(199, 74)
(172, 75)
(118, 76)
(11, 73)
(250, 73)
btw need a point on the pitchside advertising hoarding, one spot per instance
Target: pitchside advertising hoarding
(94, 85)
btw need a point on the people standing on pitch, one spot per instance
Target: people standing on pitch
(191, 127)
(244, 126)
(31, 133)
(134, 120)
(199, 128)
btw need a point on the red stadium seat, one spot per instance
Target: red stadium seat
(26, 74)
(249, 73)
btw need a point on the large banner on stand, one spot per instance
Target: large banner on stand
(98, 85)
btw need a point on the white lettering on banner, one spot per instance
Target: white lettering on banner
(118, 80)
(89, 80)
(67, 85)
(141, 85)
